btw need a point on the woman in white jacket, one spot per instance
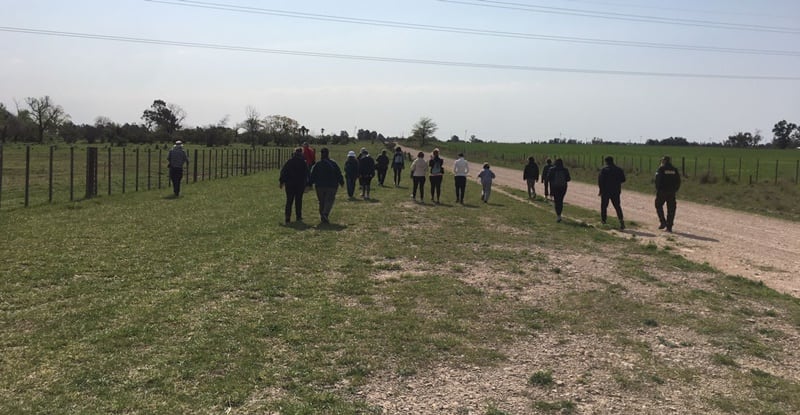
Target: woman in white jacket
(418, 170)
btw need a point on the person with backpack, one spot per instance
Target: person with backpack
(531, 176)
(557, 178)
(398, 163)
(382, 166)
(610, 182)
(326, 176)
(668, 181)
(436, 175)
(547, 166)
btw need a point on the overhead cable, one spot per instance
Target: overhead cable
(475, 65)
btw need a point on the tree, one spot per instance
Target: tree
(424, 129)
(252, 124)
(783, 134)
(743, 140)
(163, 117)
(47, 115)
(281, 128)
(454, 139)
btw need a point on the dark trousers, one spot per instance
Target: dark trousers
(419, 182)
(175, 176)
(558, 194)
(461, 187)
(531, 188)
(546, 188)
(294, 195)
(397, 173)
(351, 185)
(436, 187)
(326, 197)
(366, 183)
(669, 199)
(381, 176)
(614, 199)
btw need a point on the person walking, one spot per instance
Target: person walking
(351, 173)
(398, 164)
(486, 177)
(545, 170)
(610, 182)
(326, 176)
(436, 175)
(176, 159)
(668, 182)
(418, 170)
(531, 176)
(294, 178)
(309, 154)
(460, 171)
(366, 171)
(382, 166)
(557, 178)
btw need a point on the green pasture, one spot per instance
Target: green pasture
(207, 304)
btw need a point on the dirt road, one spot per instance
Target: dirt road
(737, 243)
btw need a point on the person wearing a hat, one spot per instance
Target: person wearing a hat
(176, 159)
(326, 176)
(366, 171)
(436, 175)
(668, 181)
(351, 173)
(398, 164)
(610, 182)
(294, 178)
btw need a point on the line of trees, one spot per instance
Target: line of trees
(41, 120)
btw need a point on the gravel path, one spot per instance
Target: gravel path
(752, 246)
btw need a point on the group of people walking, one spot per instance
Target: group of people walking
(303, 171)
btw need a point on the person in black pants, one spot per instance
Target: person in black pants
(293, 178)
(610, 182)
(557, 178)
(382, 166)
(668, 181)
(176, 159)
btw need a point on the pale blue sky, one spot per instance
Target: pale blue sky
(89, 77)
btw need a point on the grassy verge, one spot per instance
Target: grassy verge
(205, 304)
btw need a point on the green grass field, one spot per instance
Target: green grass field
(141, 303)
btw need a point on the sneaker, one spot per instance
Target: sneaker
(558, 219)
(669, 229)
(662, 226)
(621, 225)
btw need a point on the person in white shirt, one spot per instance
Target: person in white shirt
(419, 168)
(460, 170)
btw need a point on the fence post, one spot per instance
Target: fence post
(758, 163)
(1, 173)
(72, 173)
(149, 163)
(50, 177)
(27, 174)
(137, 169)
(124, 164)
(723, 169)
(160, 157)
(203, 167)
(91, 172)
(244, 161)
(109, 170)
(796, 167)
(683, 166)
(739, 176)
(776, 171)
(195, 166)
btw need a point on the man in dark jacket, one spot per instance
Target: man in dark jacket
(531, 176)
(668, 181)
(382, 166)
(176, 159)
(545, 170)
(366, 171)
(326, 176)
(294, 177)
(610, 182)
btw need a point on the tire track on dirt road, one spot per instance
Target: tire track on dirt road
(738, 243)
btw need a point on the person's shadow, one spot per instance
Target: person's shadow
(695, 237)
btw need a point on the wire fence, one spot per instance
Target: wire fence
(33, 175)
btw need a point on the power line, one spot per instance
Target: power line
(474, 65)
(683, 9)
(469, 31)
(623, 16)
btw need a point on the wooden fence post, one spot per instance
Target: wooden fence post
(124, 165)
(109, 170)
(72, 173)
(50, 177)
(195, 167)
(160, 157)
(91, 172)
(776, 171)
(758, 163)
(149, 167)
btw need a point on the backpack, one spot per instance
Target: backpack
(398, 159)
(559, 178)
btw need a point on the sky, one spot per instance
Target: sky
(504, 70)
